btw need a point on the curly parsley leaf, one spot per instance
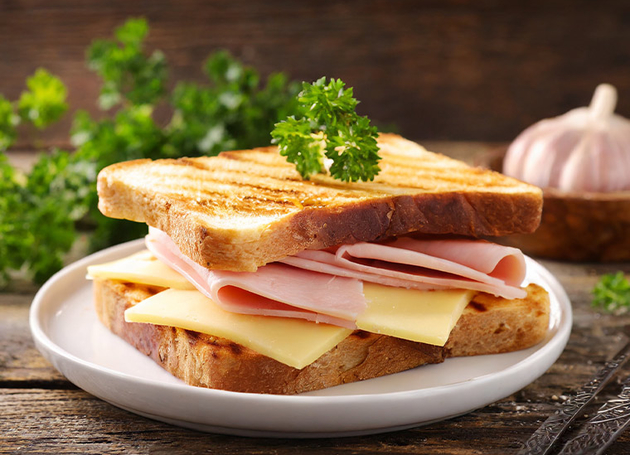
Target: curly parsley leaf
(611, 294)
(300, 145)
(327, 123)
(328, 104)
(354, 152)
(45, 100)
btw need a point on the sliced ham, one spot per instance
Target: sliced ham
(501, 262)
(458, 263)
(273, 290)
(425, 264)
(327, 285)
(326, 262)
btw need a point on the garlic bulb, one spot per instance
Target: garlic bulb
(586, 149)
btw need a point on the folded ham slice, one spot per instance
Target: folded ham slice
(327, 285)
(273, 290)
(425, 264)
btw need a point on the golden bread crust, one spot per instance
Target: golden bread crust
(488, 325)
(492, 325)
(243, 209)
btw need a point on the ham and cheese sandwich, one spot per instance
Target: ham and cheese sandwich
(255, 280)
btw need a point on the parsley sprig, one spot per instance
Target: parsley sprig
(611, 294)
(327, 125)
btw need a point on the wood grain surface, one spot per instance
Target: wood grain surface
(41, 412)
(454, 69)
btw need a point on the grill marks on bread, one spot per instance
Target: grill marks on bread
(209, 361)
(243, 209)
(261, 180)
(250, 187)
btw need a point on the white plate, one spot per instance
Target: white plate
(68, 333)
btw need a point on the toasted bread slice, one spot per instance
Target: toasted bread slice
(243, 209)
(488, 325)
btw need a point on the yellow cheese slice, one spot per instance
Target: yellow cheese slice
(294, 342)
(142, 268)
(424, 316)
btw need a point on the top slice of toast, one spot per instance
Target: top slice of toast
(243, 209)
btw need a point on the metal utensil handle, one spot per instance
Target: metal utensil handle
(606, 426)
(544, 438)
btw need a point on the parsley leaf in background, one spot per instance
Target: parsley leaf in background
(8, 121)
(42, 104)
(128, 74)
(53, 204)
(38, 213)
(45, 100)
(35, 228)
(233, 112)
(611, 294)
(327, 123)
(131, 134)
(11, 226)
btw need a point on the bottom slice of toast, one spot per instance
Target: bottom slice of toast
(488, 325)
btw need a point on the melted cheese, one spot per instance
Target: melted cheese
(142, 268)
(294, 342)
(424, 316)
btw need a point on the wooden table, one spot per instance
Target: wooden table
(41, 412)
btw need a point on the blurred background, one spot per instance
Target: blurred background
(438, 70)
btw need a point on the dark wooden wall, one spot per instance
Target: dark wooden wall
(440, 69)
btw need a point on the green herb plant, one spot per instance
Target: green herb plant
(327, 126)
(611, 294)
(44, 212)
(34, 227)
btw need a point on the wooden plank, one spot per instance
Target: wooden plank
(20, 362)
(59, 421)
(73, 421)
